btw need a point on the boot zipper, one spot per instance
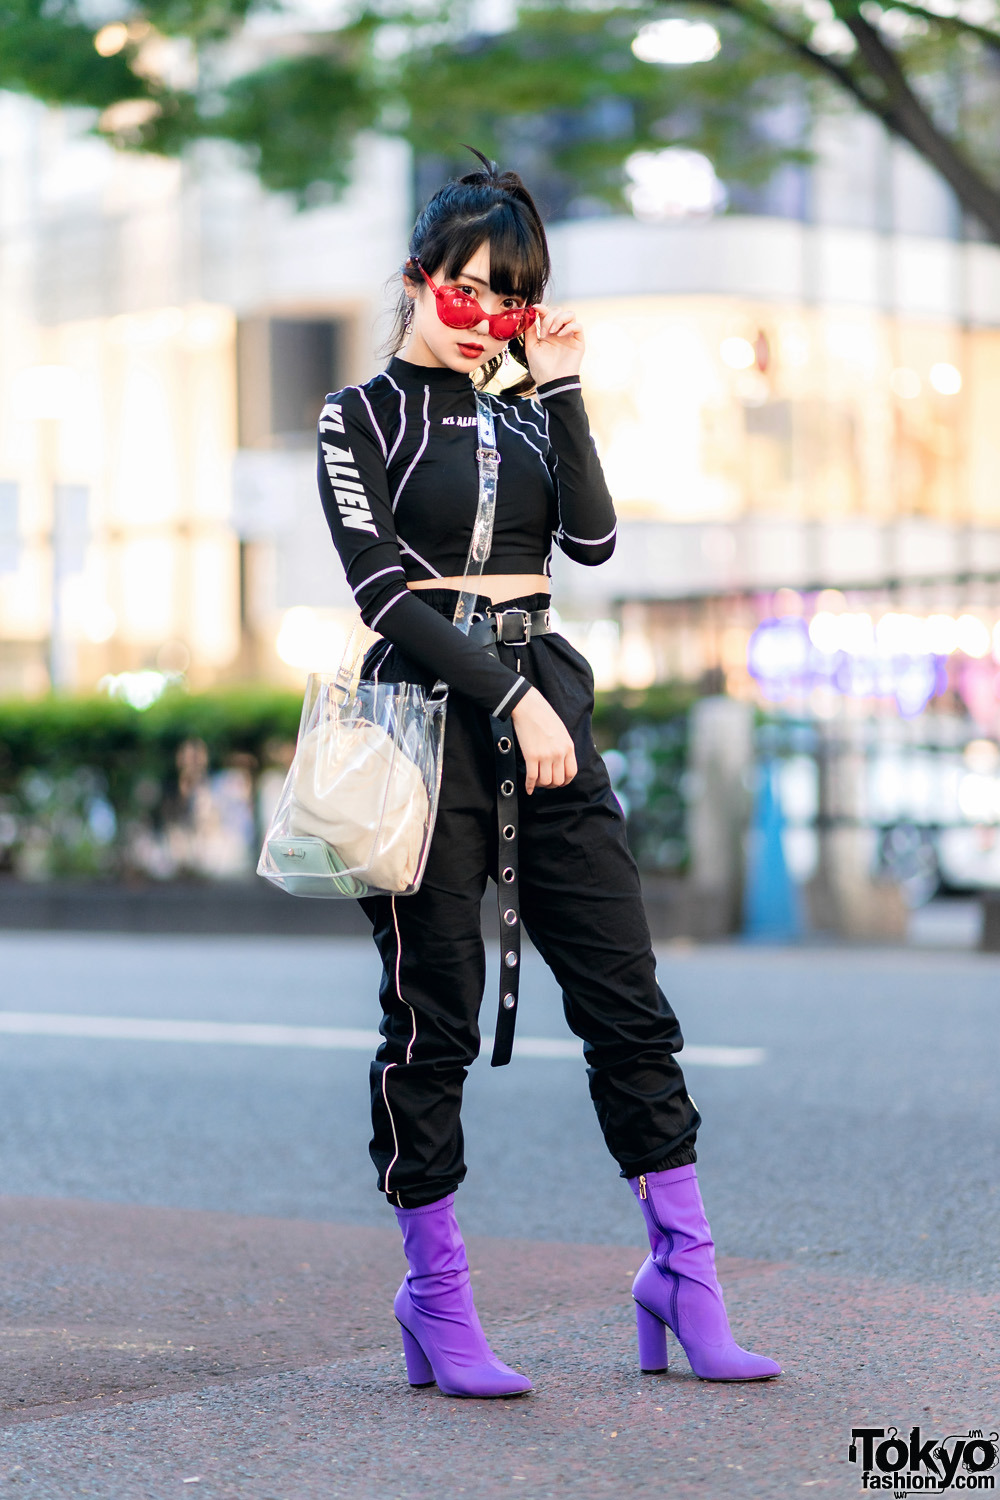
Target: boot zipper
(674, 1278)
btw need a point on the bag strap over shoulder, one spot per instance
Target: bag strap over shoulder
(481, 541)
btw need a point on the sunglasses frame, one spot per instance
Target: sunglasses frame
(447, 296)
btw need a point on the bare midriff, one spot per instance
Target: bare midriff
(496, 586)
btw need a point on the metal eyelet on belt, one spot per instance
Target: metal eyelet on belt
(507, 788)
(510, 916)
(509, 831)
(509, 1002)
(508, 875)
(510, 959)
(503, 745)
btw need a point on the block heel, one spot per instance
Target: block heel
(678, 1279)
(652, 1340)
(443, 1339)
(418, 1366)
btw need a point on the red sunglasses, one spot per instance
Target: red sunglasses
(458, 310)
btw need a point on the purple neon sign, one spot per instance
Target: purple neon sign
(785, 661)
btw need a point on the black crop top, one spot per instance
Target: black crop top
(399, 483)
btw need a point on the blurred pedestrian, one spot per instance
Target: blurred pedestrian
(399, 487)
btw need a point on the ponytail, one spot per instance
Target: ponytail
(484, 206)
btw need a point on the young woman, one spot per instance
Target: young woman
(524, 794)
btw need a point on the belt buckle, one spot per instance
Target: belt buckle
(525, 618)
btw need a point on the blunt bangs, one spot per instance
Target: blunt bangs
(518, 258)
(484, 207)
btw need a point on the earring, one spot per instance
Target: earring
(506, 356)
(408, 316)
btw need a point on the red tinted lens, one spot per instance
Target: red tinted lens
(456, 309)
(506, 325)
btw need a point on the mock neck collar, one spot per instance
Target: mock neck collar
(441, 378)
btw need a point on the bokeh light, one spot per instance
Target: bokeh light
(672, 184)
(676, 42)
(737, 353)
(946, 379)
(111, 39)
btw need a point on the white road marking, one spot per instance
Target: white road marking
(337, 1038)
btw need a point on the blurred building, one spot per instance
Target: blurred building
(166, 338)
(789, 402)
(798, 398)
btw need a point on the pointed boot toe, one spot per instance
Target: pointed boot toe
(443, 1339)
(452, 1352)
(676, 1286)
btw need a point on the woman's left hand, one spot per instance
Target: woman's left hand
(553, 344)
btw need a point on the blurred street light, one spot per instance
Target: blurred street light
(676, 42)
(738, 354)
(111, 39)
(672, 184)
(945, 379)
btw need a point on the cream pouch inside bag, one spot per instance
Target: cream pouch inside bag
(342, 792)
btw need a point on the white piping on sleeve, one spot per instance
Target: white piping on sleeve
(394, 600)
(371, 415)
(554, 471)
(417, 455)
(507, 695)
(380, 574)
(574, 385)
(586, 541)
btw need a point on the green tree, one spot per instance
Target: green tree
(561, 78)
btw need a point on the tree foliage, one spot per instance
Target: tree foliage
(560, 81)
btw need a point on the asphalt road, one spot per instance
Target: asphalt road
(853, 1165)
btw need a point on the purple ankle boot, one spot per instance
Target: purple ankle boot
(443, 1340)
(676, 1286)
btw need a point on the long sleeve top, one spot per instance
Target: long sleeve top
(399, 483)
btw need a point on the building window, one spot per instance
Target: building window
(285, 366)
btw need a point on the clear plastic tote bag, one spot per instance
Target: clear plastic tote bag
(356, 813)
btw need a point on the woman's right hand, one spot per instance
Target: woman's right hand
(545, 742)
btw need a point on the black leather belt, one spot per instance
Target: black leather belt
(508, 627)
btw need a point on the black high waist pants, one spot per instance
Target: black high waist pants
(581, 905)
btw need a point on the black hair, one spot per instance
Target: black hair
(489, 206)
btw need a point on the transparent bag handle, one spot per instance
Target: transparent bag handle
(481, 541)
(349, 672)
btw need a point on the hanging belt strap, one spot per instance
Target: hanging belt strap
(510, 627)
(514, 627)
(508, 893)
